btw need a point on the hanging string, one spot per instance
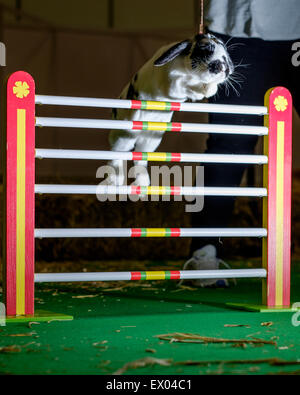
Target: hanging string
(201, 25)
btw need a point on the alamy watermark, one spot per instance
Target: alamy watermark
(296, 56)
(2, 54)
(296, 315)
(2, 314)
(182, 176)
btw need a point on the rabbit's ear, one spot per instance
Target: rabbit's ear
(173, 52)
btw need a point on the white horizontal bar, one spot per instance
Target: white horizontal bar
(124, 276)
(127, 232)
(82, 101)
(68, 189)
(41, 153)
(127, 190)
(235, 191)
(225, 158)
(227, 273)
(224, 108)
(118, 103)
(73, 277)
(128, 125)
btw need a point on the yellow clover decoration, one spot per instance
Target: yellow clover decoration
(280, 103)
(21, 89)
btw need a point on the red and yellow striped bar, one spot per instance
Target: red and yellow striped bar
(154, 105)
(157, 126)
(157, 156)
(156, 275)
(155, 232)
(155, 190)
(277, 206)
(19, 200)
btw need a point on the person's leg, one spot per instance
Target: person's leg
(263, 71)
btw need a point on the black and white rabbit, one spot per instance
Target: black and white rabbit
(188, 70)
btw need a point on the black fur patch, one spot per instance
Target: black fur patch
(131, 93)
(199, 37)
(202, 52)
(181, 48)
(114, 113)
(215, 67)
(135, 77)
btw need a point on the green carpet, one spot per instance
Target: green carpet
(115, 327)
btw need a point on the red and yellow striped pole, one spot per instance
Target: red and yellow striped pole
(156, 232)
(277, 206)
(155, 105)
(19, 180)
(156, 275)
